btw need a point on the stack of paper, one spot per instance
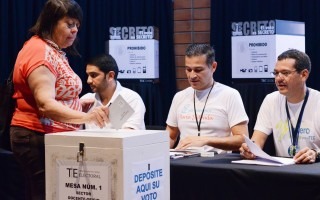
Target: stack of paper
(263, 158)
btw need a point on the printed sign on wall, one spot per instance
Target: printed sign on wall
(256, 45)
(136, 51)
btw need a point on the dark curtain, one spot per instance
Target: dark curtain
(99, 15)
(223, 12)
(17, 16)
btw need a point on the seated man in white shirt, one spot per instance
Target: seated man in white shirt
(102, 72)
(207, 114)
(288, 113)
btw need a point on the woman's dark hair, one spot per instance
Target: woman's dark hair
(52, 12)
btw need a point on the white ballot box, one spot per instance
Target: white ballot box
(108, 164)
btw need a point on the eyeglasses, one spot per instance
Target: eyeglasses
(282, 73)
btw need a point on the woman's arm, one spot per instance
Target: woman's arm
(42, 84)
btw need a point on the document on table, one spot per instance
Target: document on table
(174, 154)
(119, 112)
(205, 151)
(205, 148)
(263, 158)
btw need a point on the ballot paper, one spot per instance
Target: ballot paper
(174, 154)
(263, 158)
(119, 112)
(205, 148)
(204, 151)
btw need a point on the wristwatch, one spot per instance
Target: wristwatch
(317, 154)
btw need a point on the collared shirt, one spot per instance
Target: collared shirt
(136, 121)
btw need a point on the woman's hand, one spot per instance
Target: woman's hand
(86, 104)
(99, 116)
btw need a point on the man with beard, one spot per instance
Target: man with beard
(288, 113)
(102, 72)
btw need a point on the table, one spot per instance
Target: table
(200, 178)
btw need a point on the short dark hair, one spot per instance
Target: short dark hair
(302, 60)
(52, 12)
(201, 49)
(106, 63)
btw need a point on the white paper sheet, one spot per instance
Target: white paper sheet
(119, 112)
(262, 158)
